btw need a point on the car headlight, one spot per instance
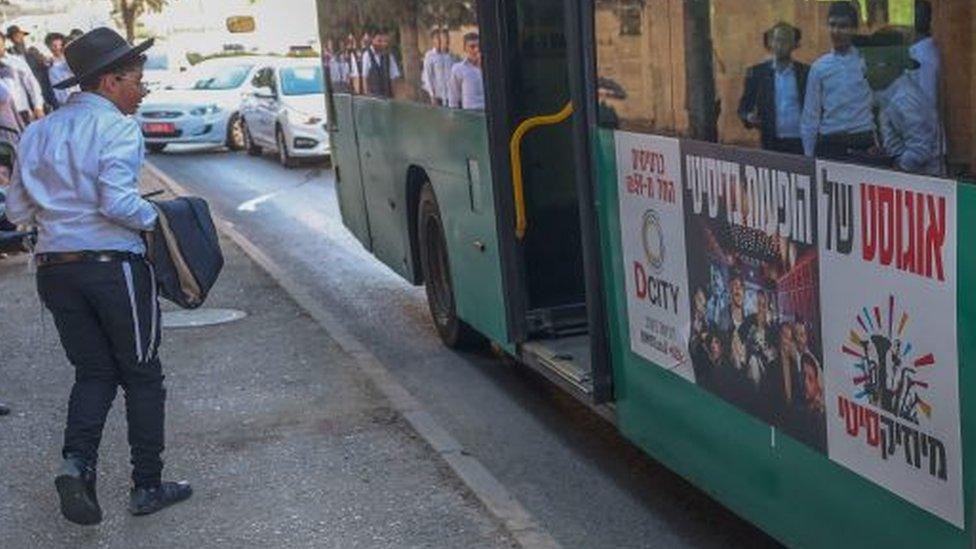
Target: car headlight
(203, 111)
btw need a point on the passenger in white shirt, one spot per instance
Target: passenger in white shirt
(438, 62)
(929, 73)
(379, 68)
(467, 89)
(837, 120)
(908, 122)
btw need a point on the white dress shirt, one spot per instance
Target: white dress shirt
(367, 64)
(17, 75)
(437, 73)
(838, 98)
(59, 72)
(76, 179)
(930, 70)
(909, 126)
(467, 88)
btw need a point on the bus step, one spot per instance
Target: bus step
(565, 361)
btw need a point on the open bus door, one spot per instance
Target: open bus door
(551, 264)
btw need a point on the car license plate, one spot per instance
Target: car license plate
(159, 127)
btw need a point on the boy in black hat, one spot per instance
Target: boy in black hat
(77, 180)
(773, 97)
(837, 121)
(908, 120)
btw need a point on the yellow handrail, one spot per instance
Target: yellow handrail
(515, 150)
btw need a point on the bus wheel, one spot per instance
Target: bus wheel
(437, 274)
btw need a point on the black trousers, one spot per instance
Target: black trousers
(107, 316)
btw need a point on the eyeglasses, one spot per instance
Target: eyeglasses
(142, 86)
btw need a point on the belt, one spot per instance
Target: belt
(84, 256)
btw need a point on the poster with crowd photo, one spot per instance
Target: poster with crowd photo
(653, 243)
(888, 253)
(755, 307)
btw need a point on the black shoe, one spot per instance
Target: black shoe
(145, 501)
(76, 487)
(4, 409)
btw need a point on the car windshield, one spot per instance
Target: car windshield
(156, 62)
(225, 77)
(301, 80)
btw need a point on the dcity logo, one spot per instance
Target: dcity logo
(652, 236)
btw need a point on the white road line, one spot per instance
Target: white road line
(252, 204)
(488, 489)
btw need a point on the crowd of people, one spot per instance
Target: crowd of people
(27, 78)
(872, 99)
(27, 92)
(762, 364)
(369, 66)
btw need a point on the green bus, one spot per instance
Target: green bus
(730, 227)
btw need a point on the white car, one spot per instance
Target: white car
(204, 108)
(286, 111)
(163, 70)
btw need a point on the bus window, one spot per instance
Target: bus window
(435, 59)
(856, 81)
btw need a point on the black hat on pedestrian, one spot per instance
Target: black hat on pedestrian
(13, 30)
(98, 52)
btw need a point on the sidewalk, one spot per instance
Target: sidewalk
(285, 441)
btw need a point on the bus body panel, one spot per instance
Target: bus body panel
(449, 148)
(789, 490)
(349, 182)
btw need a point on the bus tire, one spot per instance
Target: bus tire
(434, 264)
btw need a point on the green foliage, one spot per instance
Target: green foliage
(129, 11)
(340, 17)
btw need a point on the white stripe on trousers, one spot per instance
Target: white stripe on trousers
(155, 314)
(127, 271)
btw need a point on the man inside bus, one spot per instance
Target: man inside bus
(438, 62)
(837, 121)
(908, 120)
(929, 73)
(379, 68)
(773, 96)
(467, 89)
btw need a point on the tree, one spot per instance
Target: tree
(129, 12)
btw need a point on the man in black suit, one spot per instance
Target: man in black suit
(774, 90)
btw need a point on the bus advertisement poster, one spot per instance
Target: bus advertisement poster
(653, 242)
(888, 253)
(755, 339)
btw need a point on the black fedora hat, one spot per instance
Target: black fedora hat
(97, 52)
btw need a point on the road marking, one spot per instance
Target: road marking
(488, 489)
(252, 204)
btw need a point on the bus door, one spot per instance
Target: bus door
(538, 181)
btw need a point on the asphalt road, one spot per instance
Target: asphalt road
(569, 468)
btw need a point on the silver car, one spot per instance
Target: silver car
(204, 108)
(286, 111)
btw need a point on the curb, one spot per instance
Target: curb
(488, 489)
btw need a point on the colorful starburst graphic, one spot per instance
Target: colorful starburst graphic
(888, 371)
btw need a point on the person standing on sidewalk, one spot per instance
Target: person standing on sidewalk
(14, 72)
(77, 180)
